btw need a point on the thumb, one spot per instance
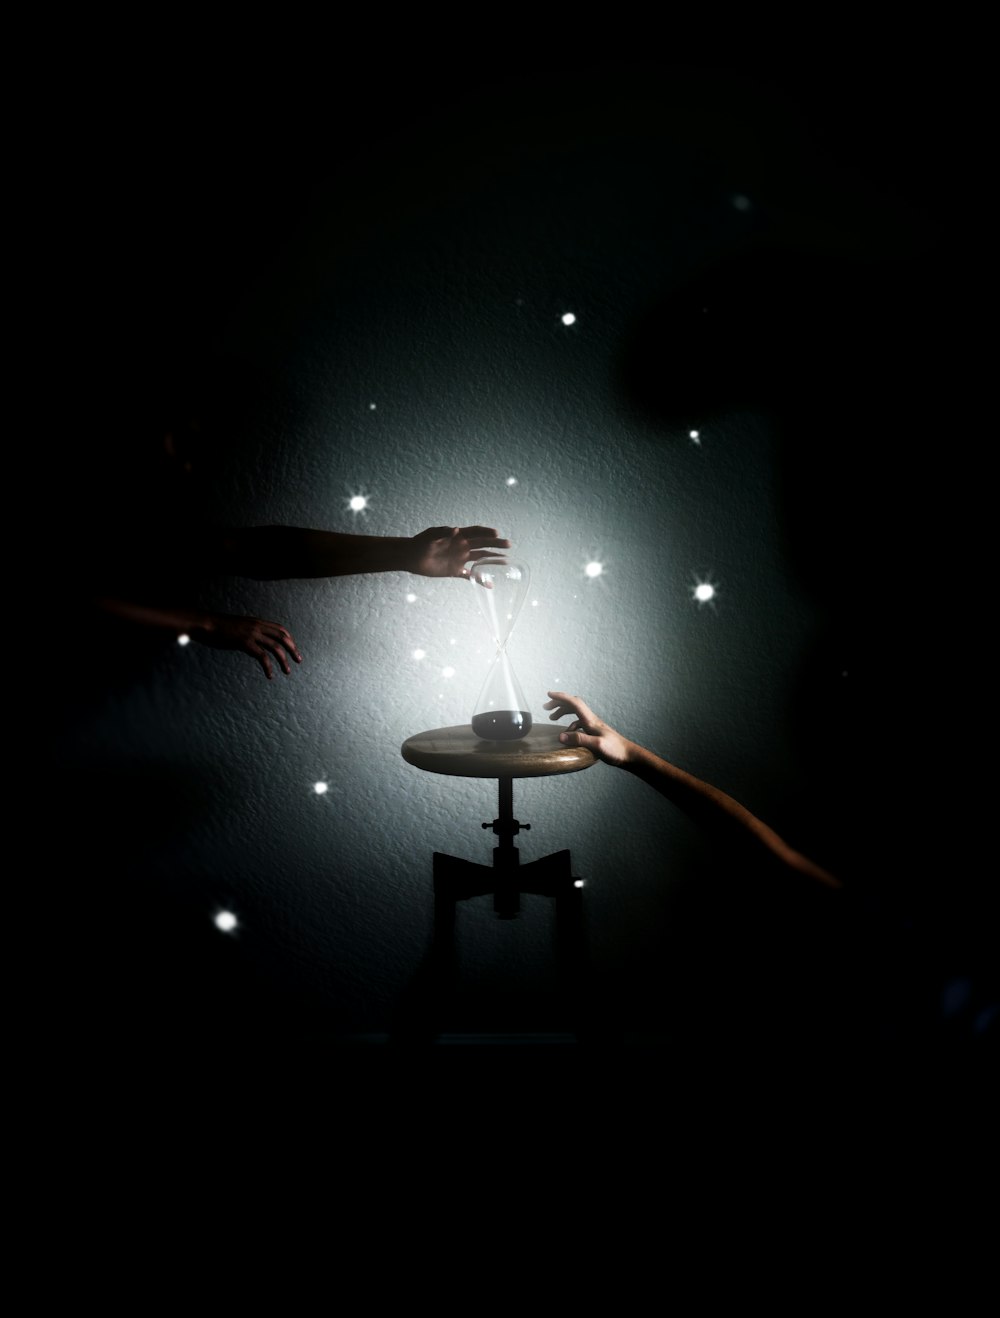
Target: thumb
(581, 739)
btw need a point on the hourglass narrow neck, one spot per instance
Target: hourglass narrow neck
(498, 617)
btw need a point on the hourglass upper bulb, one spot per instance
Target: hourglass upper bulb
(503, 584)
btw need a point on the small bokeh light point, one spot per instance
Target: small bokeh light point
(704, 591)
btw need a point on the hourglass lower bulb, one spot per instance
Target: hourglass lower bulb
(501, 710)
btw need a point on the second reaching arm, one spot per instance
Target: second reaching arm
(717, 812)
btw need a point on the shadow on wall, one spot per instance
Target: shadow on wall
(857, 359)
(843, 352)
(175, 448)
(848, 356)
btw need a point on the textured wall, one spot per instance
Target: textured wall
(410, 346)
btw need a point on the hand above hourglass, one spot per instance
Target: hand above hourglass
(444, 551)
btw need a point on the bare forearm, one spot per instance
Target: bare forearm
(273, 553)
(266, 642)
(717, 812)
(164, 618)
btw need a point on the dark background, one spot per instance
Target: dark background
(178, 190)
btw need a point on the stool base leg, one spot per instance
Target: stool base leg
(456, 879)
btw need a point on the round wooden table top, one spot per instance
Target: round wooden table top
(459, 752)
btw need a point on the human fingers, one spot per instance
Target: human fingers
(571, 705)
(261, 657)
(581, 739)
(474, 555)
(481, 536)
(287, 640)
(279, 654)
(558, 709)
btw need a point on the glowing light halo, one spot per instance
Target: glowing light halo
(704, 591)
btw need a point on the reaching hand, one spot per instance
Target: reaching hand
(253, 636)
(588, 730)
(443, 551)
(701, 801)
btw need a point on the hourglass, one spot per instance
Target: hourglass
(501, 710)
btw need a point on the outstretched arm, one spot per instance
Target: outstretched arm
(716, 811)
(260, 639)
(274, 553)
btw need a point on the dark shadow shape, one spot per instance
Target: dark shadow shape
(425, 1001)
